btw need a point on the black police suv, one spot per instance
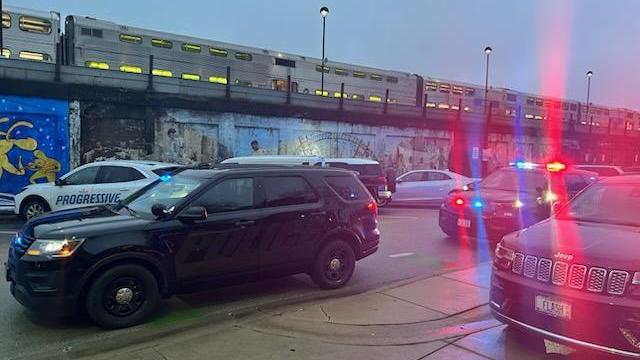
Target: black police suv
(191, 229)
(575, 278)
(510, 199)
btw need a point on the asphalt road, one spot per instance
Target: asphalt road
(412, 245)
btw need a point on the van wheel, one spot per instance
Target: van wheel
(33, 207)
(334, 265)
(122, 296)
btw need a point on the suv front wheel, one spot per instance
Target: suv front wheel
(334, 265)
(122, 296)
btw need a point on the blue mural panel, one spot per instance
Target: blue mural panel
(34, 141)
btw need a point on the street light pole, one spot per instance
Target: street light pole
(487, 51)
(589, 75)
(324, 11)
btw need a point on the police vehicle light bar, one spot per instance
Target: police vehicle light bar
(523, 165)
(556, 166)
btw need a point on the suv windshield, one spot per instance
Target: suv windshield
(362, 169)
(513, 180)
(605, 203)
(168, 191)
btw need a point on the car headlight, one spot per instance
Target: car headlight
(54, 248)
(503, 256)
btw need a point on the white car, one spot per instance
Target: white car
(428, 187)
(97, 183)
(602, 170)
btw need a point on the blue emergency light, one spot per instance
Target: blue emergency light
(165, 177)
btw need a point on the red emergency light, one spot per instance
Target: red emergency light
(556, 166)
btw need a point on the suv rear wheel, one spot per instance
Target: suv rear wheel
(122, 296)
(334, 265)
(33, 207)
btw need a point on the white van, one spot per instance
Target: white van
(276, 160)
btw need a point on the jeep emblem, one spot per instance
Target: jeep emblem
(561, 256)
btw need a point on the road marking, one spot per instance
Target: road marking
(3, 232)
(401, 255)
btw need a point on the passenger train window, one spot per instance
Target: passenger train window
(34, 25)
(511, 97)
(285, 62)
(218, 52)
(341, 72)
(6, 53)
(375, 98)
(470, 91)
(539, 102)
(189, 76)
(531, 101)
(359, 74)
(132, 39)
(6, 20)
(85, 31)
(166, 44)
(319, 68)
(573, 107)
(458, 90)
(192, 48)
(96, 33)
(244, 56)
(30, 55)
(556, 105)
(131, 69)
(431, 86)
(357, 97)
(392, 79)
(218, 80)
(565, 106)
(376, 77)
(444, 88)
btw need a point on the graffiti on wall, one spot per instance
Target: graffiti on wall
(191, 137)
(33, 141)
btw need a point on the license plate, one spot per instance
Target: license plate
(553, 307)
(465, 223)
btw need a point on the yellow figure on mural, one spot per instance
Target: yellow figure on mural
(6, 144)
(43, 167)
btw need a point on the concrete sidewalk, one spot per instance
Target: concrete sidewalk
(439, 317)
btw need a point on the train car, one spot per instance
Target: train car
(30, 34)
(109, 46)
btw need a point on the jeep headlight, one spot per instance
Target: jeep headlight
(54, 248)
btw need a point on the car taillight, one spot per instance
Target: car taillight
(503, 256)
(457, 201)
(373, 208)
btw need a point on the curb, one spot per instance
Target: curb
(149, 333)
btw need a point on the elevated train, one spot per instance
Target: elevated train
(36, 36)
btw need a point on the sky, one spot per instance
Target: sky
(539, 46)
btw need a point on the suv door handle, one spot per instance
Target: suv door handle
(124, 190)
(244, 222)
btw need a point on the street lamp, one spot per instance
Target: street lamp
(324, 11)
(487, 51)
(589, 76)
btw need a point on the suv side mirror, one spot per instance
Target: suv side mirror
(193, 213)
(398, 181)
(158, 209)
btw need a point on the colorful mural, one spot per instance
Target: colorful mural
(34, 141)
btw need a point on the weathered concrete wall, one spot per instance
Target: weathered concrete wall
(190, 137)
(34, 141)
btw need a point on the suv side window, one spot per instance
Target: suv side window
(347, 187)
(228, 195)
(413, 177)
(437, 176)
(117, 174)
(83, 177)
(288, 190)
